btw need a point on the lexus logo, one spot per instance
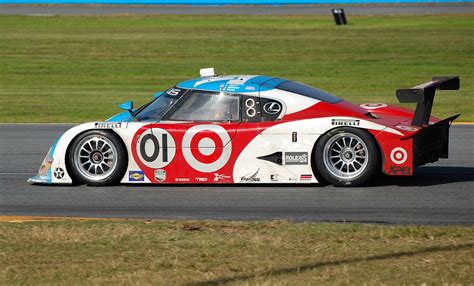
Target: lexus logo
(272, 107)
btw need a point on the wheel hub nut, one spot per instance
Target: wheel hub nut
(96, 157)
(347, 155)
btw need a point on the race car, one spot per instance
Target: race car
(252, 129)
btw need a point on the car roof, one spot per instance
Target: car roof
(233, 83)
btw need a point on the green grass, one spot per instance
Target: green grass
(233, 253)
(77, 68)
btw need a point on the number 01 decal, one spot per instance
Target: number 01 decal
(156, 148)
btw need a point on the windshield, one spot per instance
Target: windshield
(157, 108)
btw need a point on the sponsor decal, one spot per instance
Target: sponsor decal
(220, 177)
(406, 128)
(248, 178)
(272, 107)
(203, 147)
(181, 180)
(108, 125)
(201, 180)
(373, 105)
(306, 177)
(173, 91)
(136, 176)
(160, 175)
(291, 158)
(345, 122)
(249, 88)
(232, 87)
(58, 173)
(296, 158)
(274, 177)
(156, 148)
(395, 170)
(292, 179)
(398, 155)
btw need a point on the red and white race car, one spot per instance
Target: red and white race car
(252, 129)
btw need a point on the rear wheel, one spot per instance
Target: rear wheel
(98, 158)
(347, 157)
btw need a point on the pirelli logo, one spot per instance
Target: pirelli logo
(345, 122)
(108, 125)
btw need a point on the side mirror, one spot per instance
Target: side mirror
(127, 105)
(158, 94)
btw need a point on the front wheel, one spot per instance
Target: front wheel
(98, 158)
(347, 157)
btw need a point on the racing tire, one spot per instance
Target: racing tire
(347, 157)
(98, 158)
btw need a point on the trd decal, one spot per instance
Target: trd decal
(156, 148)
(203, 147)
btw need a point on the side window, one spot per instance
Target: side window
(251, 111)
(208, 106)
(271, 109)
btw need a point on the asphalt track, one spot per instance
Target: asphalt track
(387, 9)
(441, 193)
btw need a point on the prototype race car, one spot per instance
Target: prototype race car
(252, 129)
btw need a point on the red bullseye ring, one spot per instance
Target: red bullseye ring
(399, 155)
(216, 150)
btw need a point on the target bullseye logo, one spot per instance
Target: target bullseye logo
(204, 147)
(373, 105)
(398, 155)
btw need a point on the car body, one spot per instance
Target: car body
(251, 129)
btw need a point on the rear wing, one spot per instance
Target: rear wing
(423, 95)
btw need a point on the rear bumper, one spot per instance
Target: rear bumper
(432, 142)
(425, 145)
